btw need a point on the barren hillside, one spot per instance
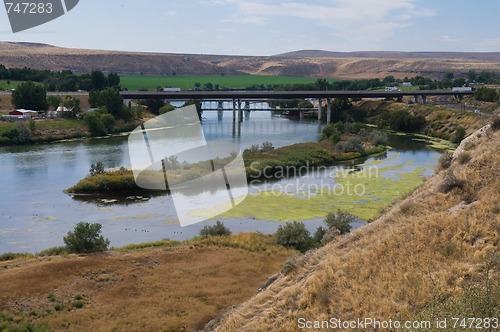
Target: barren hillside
(302, 63)
(433, 255)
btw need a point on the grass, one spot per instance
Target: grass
(13, 85)
(169, 287)
(419, 261)
(137, 82)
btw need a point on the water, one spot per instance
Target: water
(35, 213)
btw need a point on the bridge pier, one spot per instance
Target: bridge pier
(320, 109)
(240, 117)
(301, 115)
(424, 99)
(329, 110)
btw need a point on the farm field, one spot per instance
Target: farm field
(139, 82)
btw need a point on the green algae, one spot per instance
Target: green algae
(361, 193)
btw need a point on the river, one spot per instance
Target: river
(35, 213)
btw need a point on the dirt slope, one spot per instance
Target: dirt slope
(433, 255)
(305, 63)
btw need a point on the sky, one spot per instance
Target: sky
(269, 27)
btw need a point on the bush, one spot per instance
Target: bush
(353, 144)
(86, 238)
(450, 182)
(445, 160)
(340, 221)
(97, 168)
(458, 135)
(216, 230)
(266, 146)
(464, 158)
(319, 234)
(495, 123)
(294, 235)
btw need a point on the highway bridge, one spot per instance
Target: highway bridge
(237, 97)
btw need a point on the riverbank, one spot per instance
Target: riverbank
(441, 238)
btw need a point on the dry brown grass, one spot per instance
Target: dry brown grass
(339, 66)
(430, 246)
(171, 288)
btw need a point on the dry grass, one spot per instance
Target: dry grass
(176, 287)
(425, 252)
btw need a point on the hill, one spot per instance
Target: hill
(433, 255)
(301, 63)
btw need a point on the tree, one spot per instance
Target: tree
(216, 230)
(54, 102)
(154, 105)
(86, 238)
(340, 221)
(73, 104)
(30, 96)
(109, 98)
(295, 235)
(114, 81)
(97, 80)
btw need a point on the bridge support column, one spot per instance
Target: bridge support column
(424, 99)
(320, 108)
(301, 115)
(416, 99)
(240, 117)
(234, 117)
(328, 110)
(220, 115)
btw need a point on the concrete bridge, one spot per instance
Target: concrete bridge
(238, 96)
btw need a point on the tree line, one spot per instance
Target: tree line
(62, 81)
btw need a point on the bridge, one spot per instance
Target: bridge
(238, 96)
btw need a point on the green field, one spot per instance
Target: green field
(13, 84)
(138, 82)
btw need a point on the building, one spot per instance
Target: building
(24, 114)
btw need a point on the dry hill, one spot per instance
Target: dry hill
(301, 63)
(433, 255)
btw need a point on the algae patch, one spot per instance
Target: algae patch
(362, 193)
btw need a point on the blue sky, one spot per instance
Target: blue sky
(268, 27)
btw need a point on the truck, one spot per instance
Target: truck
(170, 89)
(462, 89)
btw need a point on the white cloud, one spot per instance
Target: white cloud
(448, 39)
(361, 23)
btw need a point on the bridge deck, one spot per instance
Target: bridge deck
(264, 95)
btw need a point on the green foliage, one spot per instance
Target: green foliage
(167, 108)
(340, 221)
(319, 234)
(97, 168)
(401, 120)
(154, 105)
(486, 94)
(20, 134)
(86, 238)
(216, 230)
(8, 256)
(99, 123)
(266, 146)
(55, 251)
(294, 235)
(30, 96)
(120, 181)
(458, 135)
(353, 144)
(111, 100)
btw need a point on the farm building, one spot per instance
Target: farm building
(26, 114)
(59, 113)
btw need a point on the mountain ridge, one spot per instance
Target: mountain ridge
(307, 63)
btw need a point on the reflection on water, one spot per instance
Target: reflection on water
(35, 213)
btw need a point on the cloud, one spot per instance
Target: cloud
(448, 39)
(361, 22)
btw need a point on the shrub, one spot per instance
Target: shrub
(86, 238)
(458, 135)
(464, 158)
(294, 235)
(495, 123)
(266, 146)
(445, 160)
(340, 221)
(216, 230)
(319, 234)
(450, 182)
(353, 144)
(97, 168)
